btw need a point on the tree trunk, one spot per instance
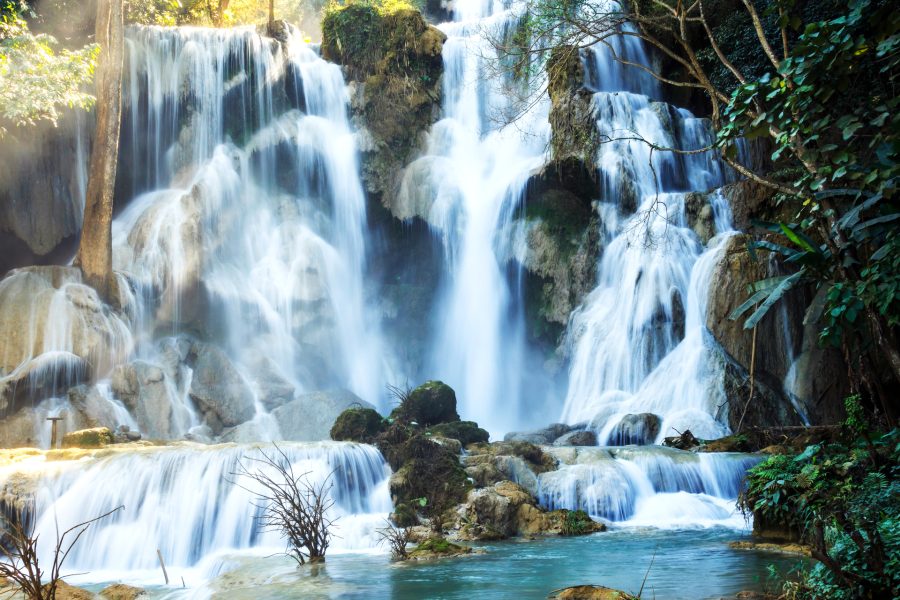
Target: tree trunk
(271, 13)
(95, 250)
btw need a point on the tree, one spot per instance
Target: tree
(290, 504)
(834, 152)
(37, 78)
(95, 249)
(19, 556)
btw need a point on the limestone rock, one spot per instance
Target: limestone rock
(64, 591)
(577, 438)
(120, 591)
(93, 409)
(540, 436)
(310, 416)
(591, 592)
(141, 386)
(218, 389)
(88, 438)
(467, 432)
(641, 429)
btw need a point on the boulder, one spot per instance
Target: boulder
(357, 425)
(310, 416)
(92, 407)
(120, 591)
(431, 403)
(492, 513)
(591, 592)
(218, 389)
(543, 436)
(577, 438)
(272, 387)
(685, 441)
(141, 386)
(520, 462)
(437, 547)
(55, 331)
(641, 429)
(700, 217)
(467, 432)
(64, 591)
(88, 438)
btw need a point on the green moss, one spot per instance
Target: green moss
(467, 432)
(88, 438)
(358, 425)
(431, 403)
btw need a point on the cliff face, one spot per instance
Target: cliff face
(42, 182)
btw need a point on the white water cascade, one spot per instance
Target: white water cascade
(189, 503)
(254, 228)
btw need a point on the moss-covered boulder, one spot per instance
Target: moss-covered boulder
(591, 592)
(88, 438)
(429, 478)
(467, 432)
(432, 403)
(357, 425)
(438, 547)
(395, 55)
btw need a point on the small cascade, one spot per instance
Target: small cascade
(647, 486)
(188, 502)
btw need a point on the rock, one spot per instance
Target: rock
(310, 416)
(591, 592)
(432, 403)
(426, 469)
(56, 332)
(357, 425)
(18, 430)
(272, 388)
(64, 591)
(787, 548)
(685, 441)
(467, 432)
(778, 337)
(438, 547)
(543, 436)
(93, 408)
(520, 462)
(577, 438)
(700, 216)
(572, 115)
(399, 67)
(88, 438)
(218, 389)
(141, 386)
(120, 591)
(641, 429)
(41, 193)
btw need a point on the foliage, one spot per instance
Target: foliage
(290, 504)
(218, 13)
(575, 522)
(845, 501)
(37, 77)
(19, 556)
(397, 539)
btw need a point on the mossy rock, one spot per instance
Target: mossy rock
(432, 403)
(97, 437)
(438, 547)
(404, 515)
(538, 460)
(574, 522)
(358, 425)
(467, 432)
(431, 471)
(590, 592)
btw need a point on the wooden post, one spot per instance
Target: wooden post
(53, 431)
(163, 565)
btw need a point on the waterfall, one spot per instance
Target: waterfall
(647, 486)
(189, 503)
(250, 218)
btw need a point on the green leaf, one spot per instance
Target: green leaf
(774, 296)
(799, 239)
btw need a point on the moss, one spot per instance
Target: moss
(431, 403)
(358, 425)
(467, 432)
(88, 438)
(437, 547)
(404, 515)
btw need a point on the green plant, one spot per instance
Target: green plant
(845, 501)
(575, 522)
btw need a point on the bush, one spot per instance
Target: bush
(844, 499)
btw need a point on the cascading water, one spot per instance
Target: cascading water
(254, 226)
(190, 503)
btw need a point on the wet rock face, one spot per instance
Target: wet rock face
(41, 194)
(310, 416)
(571, 115)
(218, 389)
(394, 58)
(141, 387)
(640, 429)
